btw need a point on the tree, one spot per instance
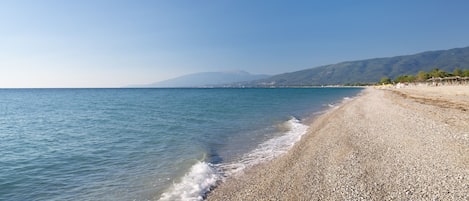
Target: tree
(437, 73)
(405, 78)
(466, 73)
(385, 80)
(458, 72)
(422, 76)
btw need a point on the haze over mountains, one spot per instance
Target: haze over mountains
(350, 72)
(206, 79)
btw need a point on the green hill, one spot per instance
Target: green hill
(371, 70)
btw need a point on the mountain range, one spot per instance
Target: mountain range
(350, 72)
(370, 70)
(206, 79)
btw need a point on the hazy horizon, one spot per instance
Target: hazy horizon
(99, 44)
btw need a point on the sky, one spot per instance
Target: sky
(116, 43)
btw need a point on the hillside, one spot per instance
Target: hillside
(205, 79)
(370, 70)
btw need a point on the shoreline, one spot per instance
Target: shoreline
(379, 145)
(278, 137)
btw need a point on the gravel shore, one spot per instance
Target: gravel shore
(383, 145)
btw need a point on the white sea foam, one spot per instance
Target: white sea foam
(194, 185)
(268, 150)
(337, 104)
(203, 176)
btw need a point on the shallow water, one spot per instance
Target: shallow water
(136, 144)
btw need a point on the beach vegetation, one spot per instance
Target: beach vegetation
(422, 76)
(458, 72)
(385, 80)
(405, 78)
(466, 73)
(436, 72)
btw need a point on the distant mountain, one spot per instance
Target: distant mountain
(370, 70)
(206, 79)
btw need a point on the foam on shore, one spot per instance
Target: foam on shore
(195, 184)
(204, 176)
(268, 150)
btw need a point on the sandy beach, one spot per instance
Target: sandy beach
(400, 144)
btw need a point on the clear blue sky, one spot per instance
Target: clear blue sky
(100, 43)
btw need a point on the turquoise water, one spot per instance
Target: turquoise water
(137, 144)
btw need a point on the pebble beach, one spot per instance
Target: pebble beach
(393, 144)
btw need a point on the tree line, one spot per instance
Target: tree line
(423, 76)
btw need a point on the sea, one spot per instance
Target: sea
(145, 144)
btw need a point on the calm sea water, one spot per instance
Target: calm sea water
(143, 144)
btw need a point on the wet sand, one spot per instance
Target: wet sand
(401, 144)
